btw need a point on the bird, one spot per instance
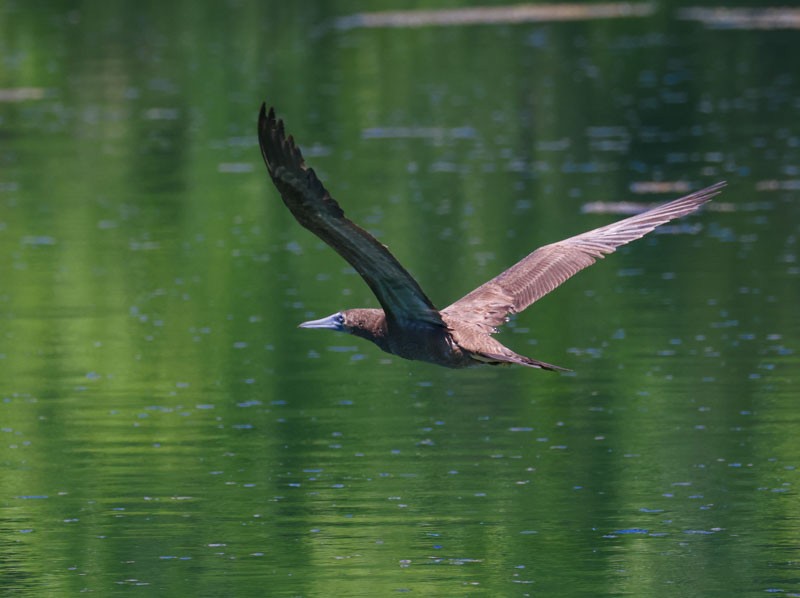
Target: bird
(407, 324)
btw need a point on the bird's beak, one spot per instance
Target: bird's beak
(334, 322)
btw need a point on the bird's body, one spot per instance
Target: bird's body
(409, 325)
(456, 344)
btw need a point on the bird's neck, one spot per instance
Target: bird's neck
(369, 324)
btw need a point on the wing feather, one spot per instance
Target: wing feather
(304, 194)
(547, 267)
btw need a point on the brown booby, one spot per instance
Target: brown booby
(409, 325)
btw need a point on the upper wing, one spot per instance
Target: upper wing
(398, 293)
(543, 270)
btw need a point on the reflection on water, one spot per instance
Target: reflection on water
(165, 425)
(777, 17)
(514, 13)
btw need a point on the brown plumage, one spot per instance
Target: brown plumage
(409, 325)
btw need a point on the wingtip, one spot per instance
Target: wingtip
(714, 189)
(262, 119)
(265, 118)
(688, 203)
(717, 187)
(706, 194)
(272, 138)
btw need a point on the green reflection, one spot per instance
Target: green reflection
(163, 424)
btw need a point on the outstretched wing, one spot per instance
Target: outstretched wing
(547, 267)
(399, 294)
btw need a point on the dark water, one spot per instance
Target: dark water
(166, 429)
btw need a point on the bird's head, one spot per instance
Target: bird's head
(366, 323)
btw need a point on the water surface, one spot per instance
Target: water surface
(165, 427)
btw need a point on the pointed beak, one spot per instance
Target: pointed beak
(334, 322)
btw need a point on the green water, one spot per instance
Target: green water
(165, 429)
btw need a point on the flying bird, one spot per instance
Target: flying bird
(409, 325)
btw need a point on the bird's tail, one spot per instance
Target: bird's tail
(516, 358)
